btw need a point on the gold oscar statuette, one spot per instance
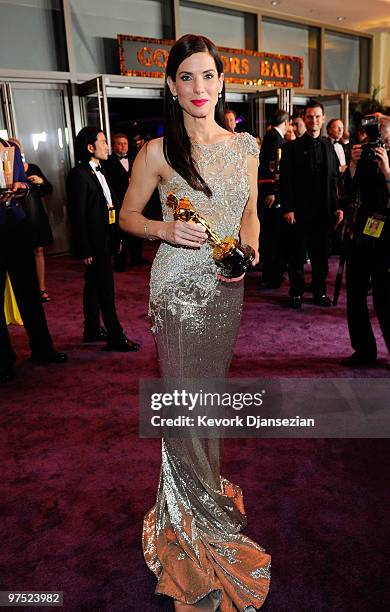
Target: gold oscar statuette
(232, 257)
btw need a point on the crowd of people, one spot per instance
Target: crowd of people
(321, 180)
(313, 193)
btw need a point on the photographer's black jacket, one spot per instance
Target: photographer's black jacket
(369, 184)
(369, 188)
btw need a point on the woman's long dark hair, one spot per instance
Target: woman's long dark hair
(177, 145)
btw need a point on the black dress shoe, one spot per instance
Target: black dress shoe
(97, 336)
(122, 344)
(52, 356)
(322, 300)
(295, 302)
(357, 360)
(6, 374)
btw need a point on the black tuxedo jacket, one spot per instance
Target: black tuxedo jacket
(297, 177)
(88, 212)
(118, 177)
(271, 142)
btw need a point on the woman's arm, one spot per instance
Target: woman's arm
(250, 224)
(36, 176)
(145, 176)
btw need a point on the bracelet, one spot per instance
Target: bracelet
(146, 231)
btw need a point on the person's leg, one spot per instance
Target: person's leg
(272, 267)
(40, 265)
(91, 300)
(318, 249)
(22, 272)
(381, 293)
(296, 259)
(106, 295)
(358, 272)
(39, 253)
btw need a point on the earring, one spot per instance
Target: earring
(220, 95)
(175, 98)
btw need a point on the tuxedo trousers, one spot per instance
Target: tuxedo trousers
(17, 258)
(99, 296)
(308, 239)
(364, 263)
(271, 245)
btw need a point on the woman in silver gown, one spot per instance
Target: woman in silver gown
(191, 537)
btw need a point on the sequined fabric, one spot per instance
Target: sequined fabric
(191, 537)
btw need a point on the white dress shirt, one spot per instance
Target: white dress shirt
(340, 153)
(102, 180)
(125, 162)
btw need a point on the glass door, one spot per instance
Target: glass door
(333, 106)
(40, 117)
(6, 124)
(263, 104)
(94, 106)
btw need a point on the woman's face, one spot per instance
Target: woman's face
(197, 85)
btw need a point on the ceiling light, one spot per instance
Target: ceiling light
(341, 18)
(275, 2)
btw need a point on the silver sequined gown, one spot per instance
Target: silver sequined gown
(191, 537)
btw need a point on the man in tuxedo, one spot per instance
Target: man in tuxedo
(269, 200)
(308, 179)
(298, 125)
(17, 258)
(93, 212)
(230, 120)
(335, 130)
(118, 170)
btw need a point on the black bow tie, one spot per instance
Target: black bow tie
(123, 156)
(99, 168)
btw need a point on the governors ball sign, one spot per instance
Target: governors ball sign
(147, 57)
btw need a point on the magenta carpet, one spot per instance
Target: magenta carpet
(77, 480)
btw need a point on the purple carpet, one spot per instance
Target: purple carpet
(77, 480)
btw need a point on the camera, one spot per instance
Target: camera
(371, 126)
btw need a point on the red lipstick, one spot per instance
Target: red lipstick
(199, 102)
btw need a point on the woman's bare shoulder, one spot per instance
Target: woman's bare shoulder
(155, 159)
(154, 149)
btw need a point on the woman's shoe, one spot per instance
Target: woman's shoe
(45, 297)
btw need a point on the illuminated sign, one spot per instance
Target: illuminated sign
(147, 57)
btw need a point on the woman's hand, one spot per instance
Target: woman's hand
(183, 233)
(37, 180)
(238, 278)
(290, 218)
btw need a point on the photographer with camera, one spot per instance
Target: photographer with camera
(368, 256)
